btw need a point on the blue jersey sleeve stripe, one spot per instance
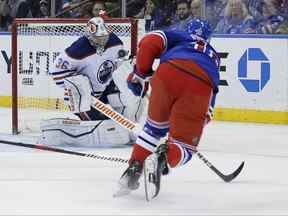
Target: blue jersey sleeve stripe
(60, 83)
(61, 72)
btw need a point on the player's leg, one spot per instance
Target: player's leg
(187, 120)
(157, 122)
(156, 126)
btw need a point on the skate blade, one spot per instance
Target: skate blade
(150, 168)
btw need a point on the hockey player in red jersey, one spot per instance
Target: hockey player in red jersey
(182, 98)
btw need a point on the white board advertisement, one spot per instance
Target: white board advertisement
(253, 72)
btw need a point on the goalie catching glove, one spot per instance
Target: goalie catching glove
(139, 83)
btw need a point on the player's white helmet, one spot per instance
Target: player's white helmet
(97, 33)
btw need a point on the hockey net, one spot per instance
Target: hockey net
(35, 45)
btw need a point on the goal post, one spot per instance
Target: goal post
(35, 45)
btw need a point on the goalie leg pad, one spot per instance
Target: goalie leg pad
(83, 133)
(113, 133)
(77, 93)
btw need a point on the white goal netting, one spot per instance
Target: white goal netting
(36, 46)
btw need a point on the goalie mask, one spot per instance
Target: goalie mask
(97, 34)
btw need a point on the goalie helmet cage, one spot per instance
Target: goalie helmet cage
(54, 34)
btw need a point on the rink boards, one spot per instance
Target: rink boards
(253, 72)
(254, 78)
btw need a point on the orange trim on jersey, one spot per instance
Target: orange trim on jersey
(61, 77)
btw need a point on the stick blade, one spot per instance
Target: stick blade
(233, 175)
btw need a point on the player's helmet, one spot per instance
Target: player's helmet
(97, 33)
(201, 28)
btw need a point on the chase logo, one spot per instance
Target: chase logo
(253, 85)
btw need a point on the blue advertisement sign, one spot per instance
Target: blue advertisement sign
(253, 85)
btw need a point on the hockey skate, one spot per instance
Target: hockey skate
(129, 180)
(155, 165)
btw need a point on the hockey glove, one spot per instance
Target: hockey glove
(137, 84)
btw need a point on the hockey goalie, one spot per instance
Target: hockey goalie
(89, 68)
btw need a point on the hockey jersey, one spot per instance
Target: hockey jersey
(168, 45)
(81, 58)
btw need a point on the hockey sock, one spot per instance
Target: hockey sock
(174, 155)
(179, 153)
(139, 153)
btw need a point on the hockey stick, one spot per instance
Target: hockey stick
(226, 178)
(53, 149)
(126, 123)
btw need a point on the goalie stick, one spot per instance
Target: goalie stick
(126, 123)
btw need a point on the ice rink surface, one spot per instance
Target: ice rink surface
(34, 182)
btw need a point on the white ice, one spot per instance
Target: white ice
(34, 182)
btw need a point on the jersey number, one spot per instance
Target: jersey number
(62, 64)
(201, 46)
